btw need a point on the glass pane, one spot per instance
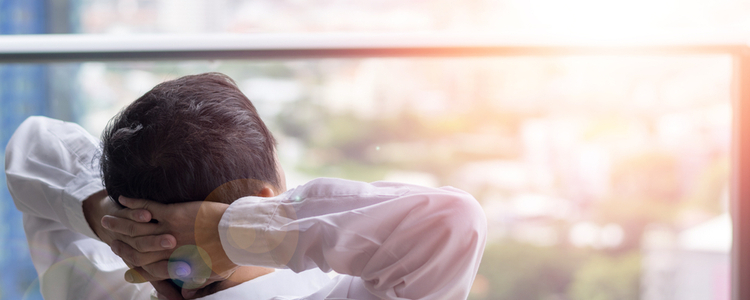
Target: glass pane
(600, 176)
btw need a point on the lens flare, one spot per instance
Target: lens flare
(189, 266)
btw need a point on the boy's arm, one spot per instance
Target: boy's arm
(400, 241)
(51, 170)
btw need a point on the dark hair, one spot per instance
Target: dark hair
(183, 139)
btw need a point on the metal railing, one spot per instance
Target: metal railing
(60, 48)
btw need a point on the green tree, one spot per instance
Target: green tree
(607, 278)
(521, 271)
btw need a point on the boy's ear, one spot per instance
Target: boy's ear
(266, 192)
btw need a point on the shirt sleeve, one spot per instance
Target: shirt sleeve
(50, 168)
(401, 241)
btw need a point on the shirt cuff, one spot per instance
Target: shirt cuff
(252, 231)
(78, 190)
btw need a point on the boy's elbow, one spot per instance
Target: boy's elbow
(467, 216)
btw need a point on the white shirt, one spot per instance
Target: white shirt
(386, 240)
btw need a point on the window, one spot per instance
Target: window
(602, 170)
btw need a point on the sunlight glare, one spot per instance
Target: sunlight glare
(600, 21)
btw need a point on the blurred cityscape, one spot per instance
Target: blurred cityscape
(601, 177)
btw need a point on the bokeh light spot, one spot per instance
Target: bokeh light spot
(189, 266)
(241, 238)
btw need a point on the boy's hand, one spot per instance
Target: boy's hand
(193, 224)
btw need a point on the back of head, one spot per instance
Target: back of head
(183, 139)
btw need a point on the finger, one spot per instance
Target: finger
(134, 258)
(129, 227)
(139, 275)
(159, 271)
(138, 215)
(157, 209)
(152, 272)
(150, 243)
(144, 244)
(134, 203)
(165, 289)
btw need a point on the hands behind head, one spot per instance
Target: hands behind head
(180, 253)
